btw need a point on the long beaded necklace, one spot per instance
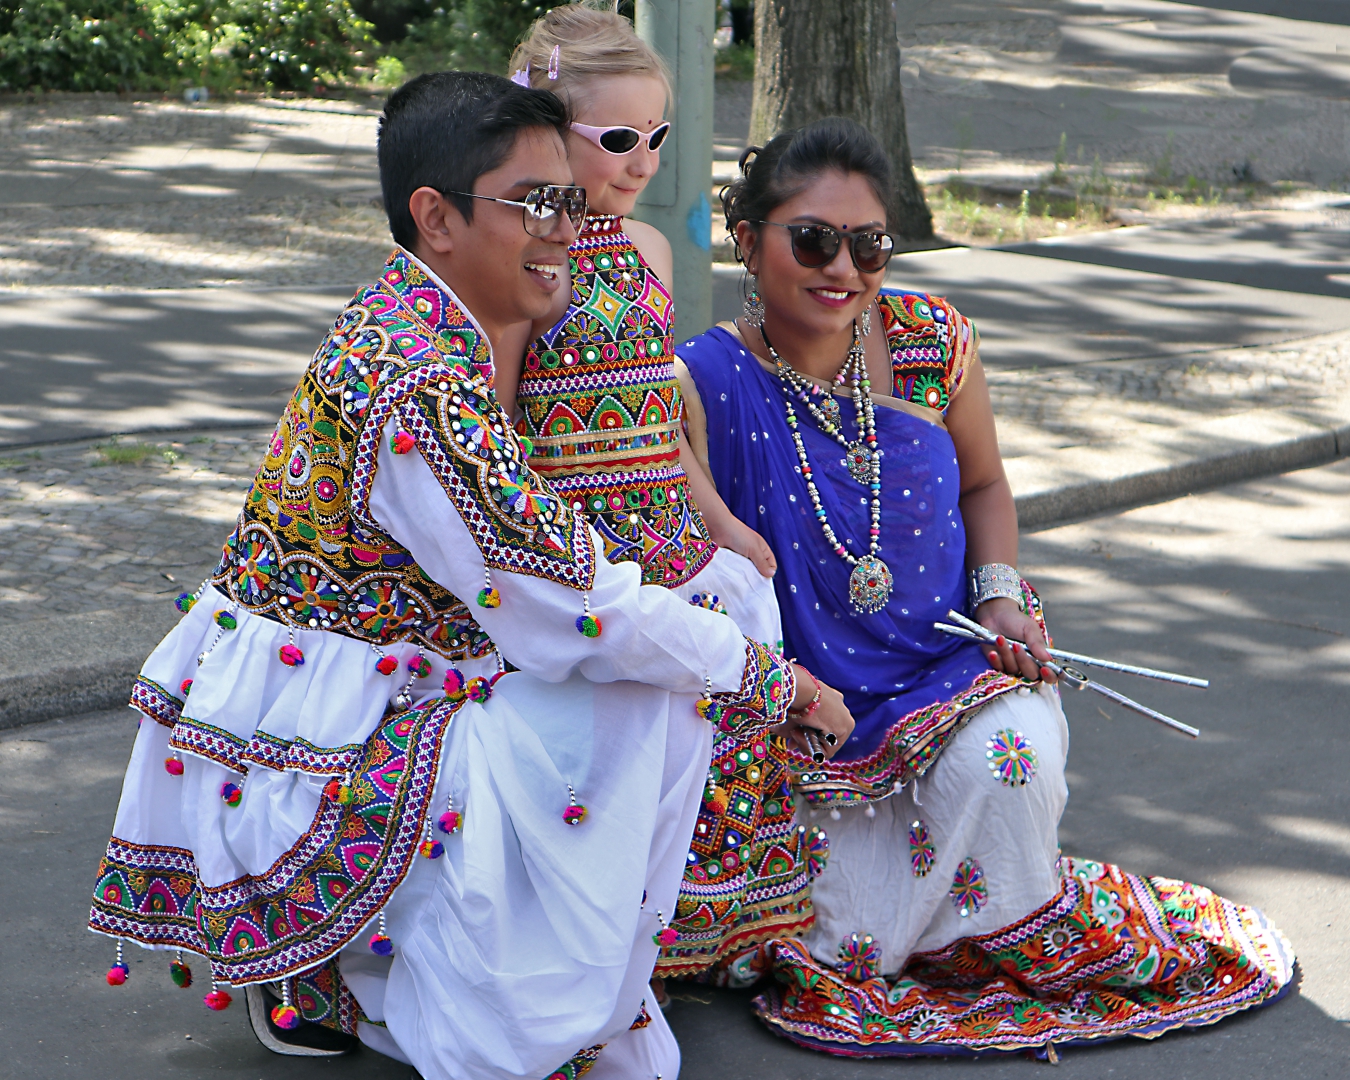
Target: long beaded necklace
(870, 583)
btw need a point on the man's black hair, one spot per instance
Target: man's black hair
(445, 130)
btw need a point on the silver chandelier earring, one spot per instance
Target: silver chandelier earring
(865, 323)
(753, 309)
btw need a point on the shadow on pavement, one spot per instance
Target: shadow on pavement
(85, 364)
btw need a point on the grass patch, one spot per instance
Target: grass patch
(117, 452)
(21, 460)
(973, 213)
(735, 62)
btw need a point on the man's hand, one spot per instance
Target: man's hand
(1006, 619)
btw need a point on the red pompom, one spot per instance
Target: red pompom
(431, 849)
(231, 793)
(217, 1000)
(117, 974)
(184, 687)
(386, 665)
(402, 442)
(173, 766)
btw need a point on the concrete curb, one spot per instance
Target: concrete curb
(1072, 502)
(106, 650)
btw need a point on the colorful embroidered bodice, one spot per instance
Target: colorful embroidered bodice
(306, 553)
(928, 340)
(602, 408)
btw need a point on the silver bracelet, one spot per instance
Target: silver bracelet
(994, 580)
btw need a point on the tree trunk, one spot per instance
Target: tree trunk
(816, 58)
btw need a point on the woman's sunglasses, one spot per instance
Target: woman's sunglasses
(542, 205)
(817, 245)
(623, 140)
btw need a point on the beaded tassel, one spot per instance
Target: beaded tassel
(224, 620)
(286, 1016)
(339, 791)
(587, 623)
(452, 820)
(184, 601)
(430, 847)
(418, 668)
(179, 972)
(667, 935)
(488, 597)
(117, 974)
(385, 665)
(290, 654)
(574, 813)
(217, 1000)
(380, 944)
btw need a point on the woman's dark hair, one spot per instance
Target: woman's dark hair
(770, 175)
(445, 130)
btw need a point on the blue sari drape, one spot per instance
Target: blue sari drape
(905, 683)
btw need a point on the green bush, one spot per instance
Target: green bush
(470, 35)
(126, 44)
(80, 45)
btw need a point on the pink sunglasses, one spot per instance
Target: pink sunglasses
(623, 140)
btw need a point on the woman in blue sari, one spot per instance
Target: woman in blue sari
(852, 428)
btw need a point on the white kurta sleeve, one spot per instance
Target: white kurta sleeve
(648, 634)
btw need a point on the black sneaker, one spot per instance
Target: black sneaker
(307, 1040)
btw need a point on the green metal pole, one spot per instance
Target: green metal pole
(676, 201)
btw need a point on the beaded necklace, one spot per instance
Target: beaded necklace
(870, 583)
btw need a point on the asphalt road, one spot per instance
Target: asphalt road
(1246, 585)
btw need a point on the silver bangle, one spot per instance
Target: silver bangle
(994, 580)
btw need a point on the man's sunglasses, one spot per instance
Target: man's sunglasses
(542, 206)
(817, 245)
(623, 140)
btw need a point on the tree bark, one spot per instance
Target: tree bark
(817, 58)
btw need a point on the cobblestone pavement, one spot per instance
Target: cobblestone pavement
(97, 526)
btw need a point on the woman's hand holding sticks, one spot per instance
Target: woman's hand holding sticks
(818, 722)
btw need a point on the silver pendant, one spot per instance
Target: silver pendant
(858, 461)
(869, 586)
(829, 408)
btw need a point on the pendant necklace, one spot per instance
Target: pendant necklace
(870, 583)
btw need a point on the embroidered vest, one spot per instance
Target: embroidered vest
(602, 408)
(928, 340)
(305, 551)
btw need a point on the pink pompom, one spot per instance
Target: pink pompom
(386, 665)
(450, 822)
(117, 974)
(217, 1000)
(420, 666)
(431, 849)
(291, 655)
(402, 443)
(666, 937)
(574, 814)
(173, 766)
(454, 684)
(380, 945)
(286, 1017)
(185, 687)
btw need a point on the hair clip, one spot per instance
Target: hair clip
(553, 62)
(522, 77)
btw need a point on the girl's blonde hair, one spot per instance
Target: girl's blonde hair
(591, 43)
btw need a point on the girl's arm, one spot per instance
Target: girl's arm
(991, 518)
(724, 528)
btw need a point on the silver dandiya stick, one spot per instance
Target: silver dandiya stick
(1076, 679)
(1091, 661)
(817, 754)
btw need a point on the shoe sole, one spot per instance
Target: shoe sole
(259, 1018)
